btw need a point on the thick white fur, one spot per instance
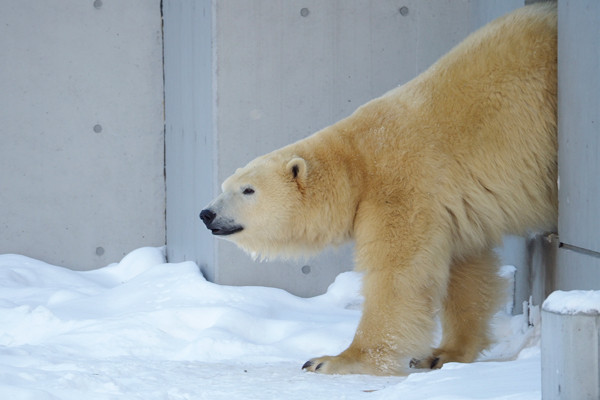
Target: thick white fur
(426, 179)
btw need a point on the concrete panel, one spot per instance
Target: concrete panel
(514, 251)
(189, 133)
(542, 250)
(576, 270)
(282, 70)
(579, 122)
(535, 260)
(483, 12)
(81, 120)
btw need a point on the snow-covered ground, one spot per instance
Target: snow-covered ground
(146, 329)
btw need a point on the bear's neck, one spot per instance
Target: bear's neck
(336, 170)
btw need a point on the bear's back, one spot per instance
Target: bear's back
(476, 132)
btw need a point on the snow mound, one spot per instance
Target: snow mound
(146, 329)
(573, 302)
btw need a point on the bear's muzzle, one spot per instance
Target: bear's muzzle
(217, 226)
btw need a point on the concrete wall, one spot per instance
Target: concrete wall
(570, 354)
(578, 264)
(189, 134)
(244, 78)
(81, 122)
(82, 115)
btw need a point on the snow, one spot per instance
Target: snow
(146, 329)
(573, 302)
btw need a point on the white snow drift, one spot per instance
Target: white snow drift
(146, 329)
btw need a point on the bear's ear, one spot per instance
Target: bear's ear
(297, 169)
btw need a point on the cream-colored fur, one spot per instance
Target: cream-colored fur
(426, 179)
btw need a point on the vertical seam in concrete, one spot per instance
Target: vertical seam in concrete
(214, 128)
(164, 132)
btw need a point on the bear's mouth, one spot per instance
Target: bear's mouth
(226, 231)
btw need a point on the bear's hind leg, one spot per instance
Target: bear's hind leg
(475, 292)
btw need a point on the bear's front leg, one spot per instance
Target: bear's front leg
(396, 325)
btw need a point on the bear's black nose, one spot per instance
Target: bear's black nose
(207, 216)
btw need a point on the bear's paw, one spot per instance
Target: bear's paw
(350, 362)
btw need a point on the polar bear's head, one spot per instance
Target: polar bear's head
(259, 206)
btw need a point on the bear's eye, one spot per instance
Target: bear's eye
(248, 191)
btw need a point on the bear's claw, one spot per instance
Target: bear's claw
(432, 362)
(308, 366)
(429, 362)
(326, 365)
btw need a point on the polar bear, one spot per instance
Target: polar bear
(426, 180)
